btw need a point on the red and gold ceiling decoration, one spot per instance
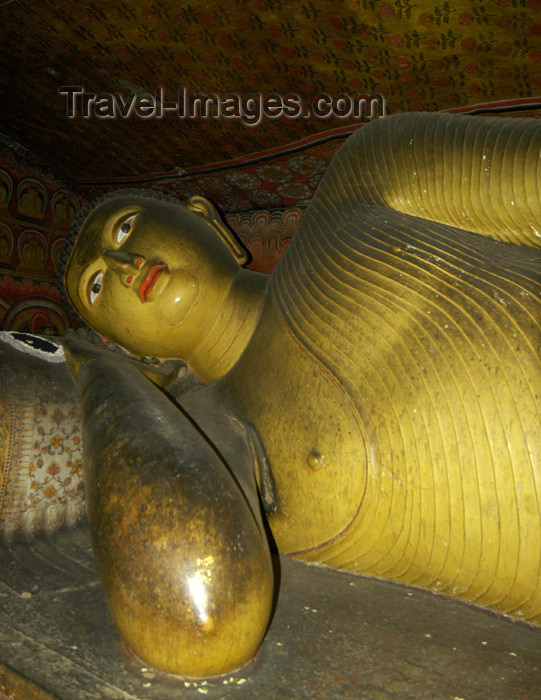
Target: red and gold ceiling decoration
(475, 57)
(428, 55)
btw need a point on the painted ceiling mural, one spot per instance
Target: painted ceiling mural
(97, 94)
(429, 55)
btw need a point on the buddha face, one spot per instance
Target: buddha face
(149, 275)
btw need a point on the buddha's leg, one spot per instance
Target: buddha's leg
(183, 559)
(479, 174)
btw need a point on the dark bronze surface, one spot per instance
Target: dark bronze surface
(334, 635)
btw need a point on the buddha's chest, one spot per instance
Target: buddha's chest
(311, 435)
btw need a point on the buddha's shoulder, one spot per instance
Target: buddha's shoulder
(345, 267)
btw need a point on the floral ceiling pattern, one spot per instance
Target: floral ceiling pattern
(427, 55)
(472, 57)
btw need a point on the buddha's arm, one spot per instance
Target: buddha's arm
(182, 556)
(82, 346)
(476, 173)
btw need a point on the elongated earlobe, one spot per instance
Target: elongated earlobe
(204, 208)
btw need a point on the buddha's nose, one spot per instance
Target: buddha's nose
(123, 262)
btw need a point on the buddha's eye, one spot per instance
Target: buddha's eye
(94, 289)
(124, 231)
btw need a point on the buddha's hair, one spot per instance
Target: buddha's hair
(77, 223)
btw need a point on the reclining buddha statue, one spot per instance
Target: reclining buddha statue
(372, 405)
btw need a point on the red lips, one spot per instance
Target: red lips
(152, 276)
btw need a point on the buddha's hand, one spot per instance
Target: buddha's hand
(183, 557)
(83, 345)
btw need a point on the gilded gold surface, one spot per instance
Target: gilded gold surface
(392, 365)
(433, 333)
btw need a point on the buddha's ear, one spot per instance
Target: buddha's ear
(204, 208)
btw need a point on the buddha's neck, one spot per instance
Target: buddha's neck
(233, 327)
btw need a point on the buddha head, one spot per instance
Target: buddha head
(150, 273)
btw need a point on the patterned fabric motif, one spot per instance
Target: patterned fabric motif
(41, 485)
